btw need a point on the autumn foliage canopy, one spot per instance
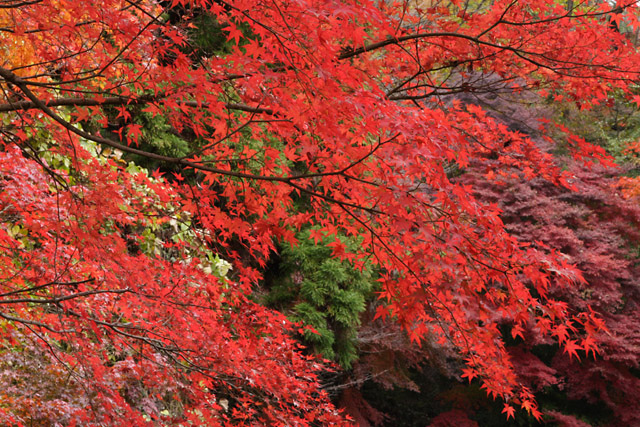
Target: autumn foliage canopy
(132, 291)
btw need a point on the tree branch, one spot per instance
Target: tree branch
(25, 105)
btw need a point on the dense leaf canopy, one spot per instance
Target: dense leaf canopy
(293, 113)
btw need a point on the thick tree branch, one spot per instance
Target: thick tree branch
(25, 105)
(62, 298)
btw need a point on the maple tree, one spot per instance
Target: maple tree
(596, 229)
(322, 113)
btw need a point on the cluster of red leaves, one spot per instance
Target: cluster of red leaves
(339, 85)
(141, 335)
(596, 229)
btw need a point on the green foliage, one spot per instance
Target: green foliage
(324, 293)
(613, 125)
(158, 137)
(207, 37)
